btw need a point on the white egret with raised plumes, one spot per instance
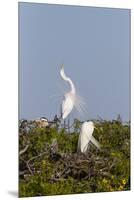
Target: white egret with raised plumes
(87, 129)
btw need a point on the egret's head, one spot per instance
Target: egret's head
(91, 124)
(62, 73)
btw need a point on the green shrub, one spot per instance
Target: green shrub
(45, 171)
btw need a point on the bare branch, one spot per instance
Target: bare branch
(24, 150)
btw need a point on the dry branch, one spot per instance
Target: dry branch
(23, 150)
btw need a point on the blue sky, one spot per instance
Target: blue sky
(94, 46)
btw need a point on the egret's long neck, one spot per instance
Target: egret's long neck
(64, 77)
(71, 85)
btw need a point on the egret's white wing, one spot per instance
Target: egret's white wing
(67, 107)
(85, 137)
(82, 144)
(95, 142)
(83, 141)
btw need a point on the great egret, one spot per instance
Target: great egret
(71, 99)
(85, 136)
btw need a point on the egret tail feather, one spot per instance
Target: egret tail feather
(80, 104)
(95, 142)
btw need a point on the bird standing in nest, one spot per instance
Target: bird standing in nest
(86, 136)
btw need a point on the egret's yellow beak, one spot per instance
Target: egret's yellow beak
(96, 128)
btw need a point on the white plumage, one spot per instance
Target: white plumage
(67, 105)
(69, 98)
(85, 136)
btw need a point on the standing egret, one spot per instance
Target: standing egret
(71, 99)
(85, 136)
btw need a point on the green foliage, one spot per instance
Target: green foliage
(45, 171)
